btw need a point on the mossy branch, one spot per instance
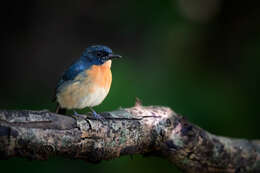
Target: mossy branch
(151, 130)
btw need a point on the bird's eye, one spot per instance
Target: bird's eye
(99, 54)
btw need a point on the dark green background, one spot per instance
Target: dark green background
(201, 58)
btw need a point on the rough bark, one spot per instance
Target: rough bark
(151, 130)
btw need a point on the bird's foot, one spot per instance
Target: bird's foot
(97, 116)
(77, 115)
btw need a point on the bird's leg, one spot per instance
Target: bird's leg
(96, 115)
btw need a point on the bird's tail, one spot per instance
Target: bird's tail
(60, 110)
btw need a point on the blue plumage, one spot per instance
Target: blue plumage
(75, 90)
(76, 68)
(89, 57)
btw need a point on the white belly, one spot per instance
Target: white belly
(93, 98)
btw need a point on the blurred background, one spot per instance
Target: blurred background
(201, 58)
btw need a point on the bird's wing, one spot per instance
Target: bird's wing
(70, 74)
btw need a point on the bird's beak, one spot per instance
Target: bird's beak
(113, 56)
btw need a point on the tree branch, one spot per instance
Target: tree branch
(143, 130)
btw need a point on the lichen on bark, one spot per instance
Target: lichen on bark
(148, 130)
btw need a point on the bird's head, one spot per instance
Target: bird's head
(98, 54)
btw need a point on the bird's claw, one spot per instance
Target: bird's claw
(98, 116)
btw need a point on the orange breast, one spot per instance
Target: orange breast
(101, 75)
(88, 89)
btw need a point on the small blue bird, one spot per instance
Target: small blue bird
(87, 81)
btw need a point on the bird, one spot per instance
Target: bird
(86, 83)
